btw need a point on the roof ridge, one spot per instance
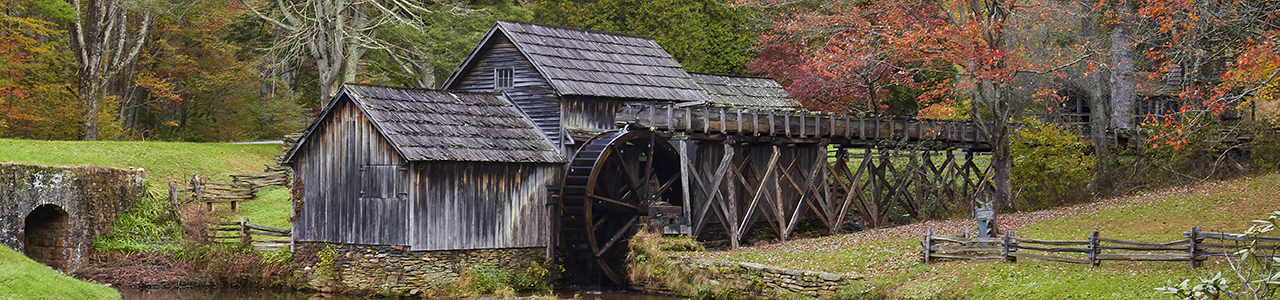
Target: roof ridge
(729, 75)
(419, 89)
(565, 27)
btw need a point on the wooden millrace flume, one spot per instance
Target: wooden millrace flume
(611, 185)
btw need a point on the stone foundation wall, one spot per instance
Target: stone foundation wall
(750, 278)
(397, 270)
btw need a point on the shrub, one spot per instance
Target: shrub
(1050, 167)
(148, 225)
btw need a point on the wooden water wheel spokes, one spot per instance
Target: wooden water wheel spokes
(607, 191)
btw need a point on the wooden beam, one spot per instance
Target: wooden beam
(755, 200)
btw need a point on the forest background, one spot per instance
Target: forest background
(236, 70)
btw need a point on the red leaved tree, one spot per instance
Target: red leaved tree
(844, 54)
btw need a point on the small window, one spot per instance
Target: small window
(503, 78)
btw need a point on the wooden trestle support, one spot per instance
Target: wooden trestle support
(738, 168)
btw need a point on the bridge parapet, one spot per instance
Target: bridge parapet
(54, 213)
(799, 126)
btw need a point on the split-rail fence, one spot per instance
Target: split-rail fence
(1194, 248)
(262, 238)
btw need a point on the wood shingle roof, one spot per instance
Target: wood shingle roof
(753, 92)
(586, 62)
(433, 125)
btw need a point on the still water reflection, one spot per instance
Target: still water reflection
(263, 294)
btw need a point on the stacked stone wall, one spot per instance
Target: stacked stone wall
(751, 278)
(396, 270)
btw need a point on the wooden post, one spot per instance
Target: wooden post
(683, 144)
(1093, 249)
(198, 193)
(927, 245)
(1008, 239)
(739, 121)
(800, 116)
(724, 122)
(772, 124)
(786, 123)
(729, 201)
(244, 230)
(1191, 248)
(671, 120)
(862, 126)
(173, 200)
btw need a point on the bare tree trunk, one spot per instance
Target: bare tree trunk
(1097, 85)
(990, 95)
(1122, 65)
(100, 43)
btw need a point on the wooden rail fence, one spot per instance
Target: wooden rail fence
(242, 187)
(1196, 247)
(262, 238)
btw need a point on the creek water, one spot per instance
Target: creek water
(277, 294)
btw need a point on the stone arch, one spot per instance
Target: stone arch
(47, 235)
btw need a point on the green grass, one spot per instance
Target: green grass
(890, 257)
(23, 278)
(163, 161)
(271, 209)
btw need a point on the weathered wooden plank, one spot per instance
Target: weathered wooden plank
(1050, 242)
(1049, 258)
(1232, 237)
(1048, 249)
(1144, 257)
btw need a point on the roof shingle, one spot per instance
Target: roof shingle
(432, 125)
(751, 92)
(586, 62)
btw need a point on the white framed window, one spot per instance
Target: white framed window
(503, 78)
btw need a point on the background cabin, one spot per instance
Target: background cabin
(432, 170)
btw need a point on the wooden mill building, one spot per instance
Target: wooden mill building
(573, 81)
(475, 165)
(426, 169)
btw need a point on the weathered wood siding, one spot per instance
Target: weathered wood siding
(355, 186)
(590, 113)
(473, 205)
(530, 90)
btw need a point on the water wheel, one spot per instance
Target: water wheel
(608, 190)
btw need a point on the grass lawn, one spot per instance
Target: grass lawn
(23, 278)
(164, 162)
(890, 259)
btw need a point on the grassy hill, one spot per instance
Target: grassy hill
(890, 259)
(163, 161)
(23, 278)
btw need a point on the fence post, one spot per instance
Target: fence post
(1093, 249)
(244, 230)
(1192, 245)
(173, 200)
(927, 244)
(1008, 238)
(195, 190)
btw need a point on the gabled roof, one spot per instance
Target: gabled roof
(751, 92)
(433, 125)
(586, 62)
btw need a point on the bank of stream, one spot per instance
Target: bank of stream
(274, 294)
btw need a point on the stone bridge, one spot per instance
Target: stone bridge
(54, 213)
